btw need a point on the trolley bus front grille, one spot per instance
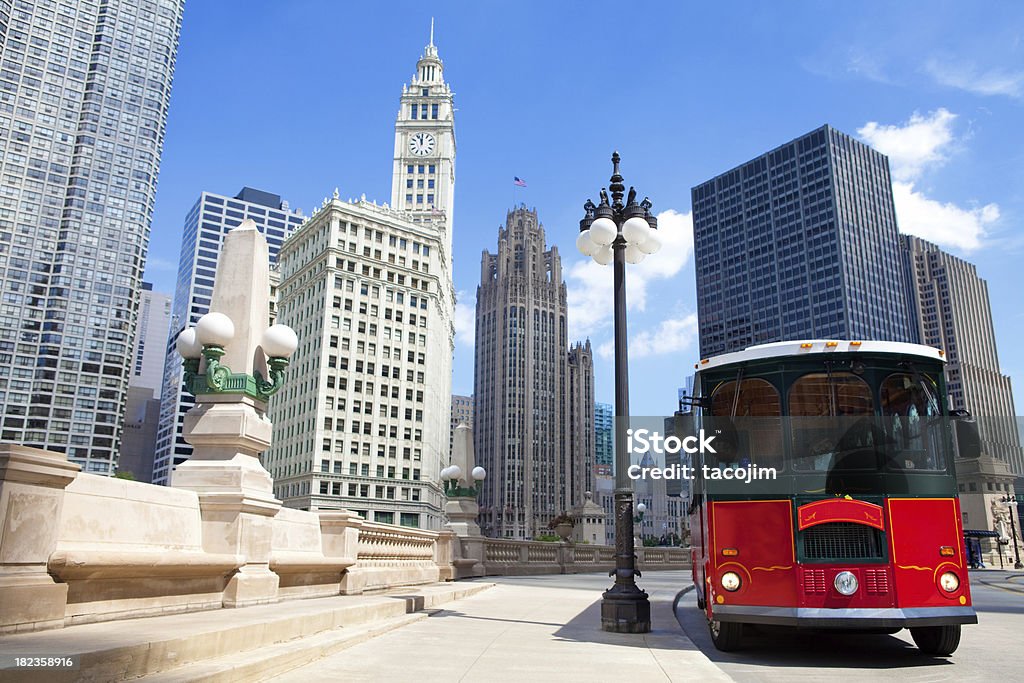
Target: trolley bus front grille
(842, 541)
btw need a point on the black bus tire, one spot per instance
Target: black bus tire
(937, 640)
(726, 635)
(702, 596)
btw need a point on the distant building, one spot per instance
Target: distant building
(800, 243)
(604, 451)
(462, 413)
(209, 220)
(142, 409)
(952, 312)
(150, 339)
(534, 397)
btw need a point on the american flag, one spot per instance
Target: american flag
(519, 182)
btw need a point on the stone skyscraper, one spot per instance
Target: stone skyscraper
(369, 289)
(534, 412)
(953, 313)
(84, 88)
(800, 243)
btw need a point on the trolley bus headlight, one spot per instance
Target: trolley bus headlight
(949, 582)
(731, 581)
(846, 583)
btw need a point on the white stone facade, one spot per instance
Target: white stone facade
(363, 423)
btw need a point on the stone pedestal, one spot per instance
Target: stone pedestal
(462, 513)
(468, 544)
(228, 432)
(468, 557)
(32, 486)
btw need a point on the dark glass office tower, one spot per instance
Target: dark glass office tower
(800, 243)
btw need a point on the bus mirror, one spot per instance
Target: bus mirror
(968, 439)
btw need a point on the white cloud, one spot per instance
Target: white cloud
(155, 263)
(589, 285)
(945, 224)
(913, 146)
(968, 77)
(671, 335)
(674, 334)
(465, 319)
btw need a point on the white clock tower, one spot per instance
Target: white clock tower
(423, 180)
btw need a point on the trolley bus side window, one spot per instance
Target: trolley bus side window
(750, 421)
(909, 406)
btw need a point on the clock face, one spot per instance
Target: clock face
(421, 144)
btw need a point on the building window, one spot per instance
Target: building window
(410, 519)
(415, 111)
(433, 111)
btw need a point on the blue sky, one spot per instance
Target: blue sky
(298, 98)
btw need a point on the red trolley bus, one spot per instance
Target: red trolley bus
(830, 499)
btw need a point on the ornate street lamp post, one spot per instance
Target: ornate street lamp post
(613, 232)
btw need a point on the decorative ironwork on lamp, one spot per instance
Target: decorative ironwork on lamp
(207, 341)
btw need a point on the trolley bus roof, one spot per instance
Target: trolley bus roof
(816, 347)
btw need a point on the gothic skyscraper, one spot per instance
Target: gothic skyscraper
(534, 412)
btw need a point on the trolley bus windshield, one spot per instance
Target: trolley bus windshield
(835, 420)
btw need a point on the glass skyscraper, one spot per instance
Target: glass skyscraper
(84, 92)
(604, 452)
(211, 218)
(800, 242)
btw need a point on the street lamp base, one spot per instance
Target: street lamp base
(625, 612)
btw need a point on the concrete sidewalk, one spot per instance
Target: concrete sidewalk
(541, 628)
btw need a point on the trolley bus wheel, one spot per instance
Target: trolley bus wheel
(937, 640)
(701, 600)
(726, 635)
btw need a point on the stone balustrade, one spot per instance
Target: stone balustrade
(77, 548)
(503, 557)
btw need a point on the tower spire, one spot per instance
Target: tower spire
(431, 31)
